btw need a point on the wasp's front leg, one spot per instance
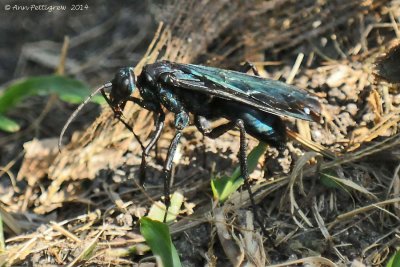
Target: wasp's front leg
(170, 101)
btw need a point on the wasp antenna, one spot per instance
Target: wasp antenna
(73, 115)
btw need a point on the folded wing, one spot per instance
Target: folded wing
(268, 95)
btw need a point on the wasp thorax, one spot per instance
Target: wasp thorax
(123, 85)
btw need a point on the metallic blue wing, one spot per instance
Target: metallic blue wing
(268, 95)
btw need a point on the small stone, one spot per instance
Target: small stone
(352, 109)
(396, 99)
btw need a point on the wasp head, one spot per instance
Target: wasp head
(122, 87)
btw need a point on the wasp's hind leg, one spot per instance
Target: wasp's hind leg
(249, 66)
(220, 130)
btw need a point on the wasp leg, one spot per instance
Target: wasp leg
(159, 125)
(167, 170)
(170, 101)
(220, 130)
(155, 107)
(181, 121)
(249, 66)
(118, 115)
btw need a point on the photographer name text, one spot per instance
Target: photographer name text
(46, 8)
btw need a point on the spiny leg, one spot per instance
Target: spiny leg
(220, 130)
(245, 68)
(245, 173)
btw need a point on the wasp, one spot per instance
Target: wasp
(252, 104)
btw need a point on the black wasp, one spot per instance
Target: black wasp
(250, 103)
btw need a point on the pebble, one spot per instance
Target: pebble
(352, 109)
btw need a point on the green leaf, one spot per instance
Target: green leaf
(394, 260)
(326, 180)
(8, 125)
(69, 90)
(159, 239)
(64, 87)
(330, 180)
(224, 186)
